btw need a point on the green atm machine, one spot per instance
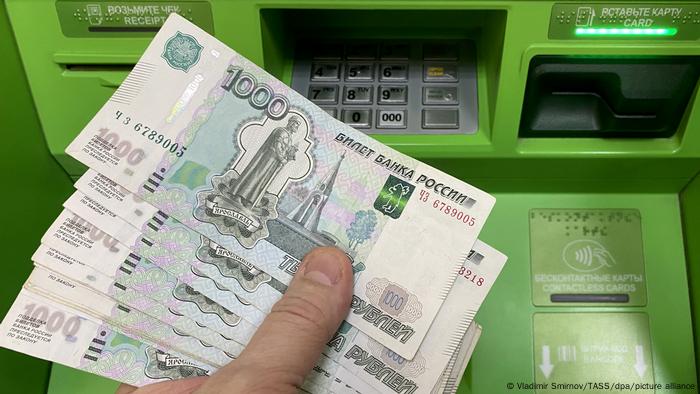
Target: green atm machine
(583, 118)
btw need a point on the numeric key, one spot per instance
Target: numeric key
(359, 72)
(393, 72)
(393, 94)
(357, 95)
(358, 118)
(325, 72)
(327, 94)
(391, 119)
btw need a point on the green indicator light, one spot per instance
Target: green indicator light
(618, 31)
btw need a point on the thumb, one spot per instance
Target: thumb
(290, 340)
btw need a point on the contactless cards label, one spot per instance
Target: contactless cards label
(587, 257)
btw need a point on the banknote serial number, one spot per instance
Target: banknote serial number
(447, 209)
(152, 135)
(471, 276)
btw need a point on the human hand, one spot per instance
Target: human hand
(289, 341)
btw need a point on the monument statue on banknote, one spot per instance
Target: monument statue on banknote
(245, 196)
(274, 153)
(308, 213)
(298, 232)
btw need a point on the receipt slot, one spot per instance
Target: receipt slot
(582, 118)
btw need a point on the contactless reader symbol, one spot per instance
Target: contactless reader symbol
(585, 255)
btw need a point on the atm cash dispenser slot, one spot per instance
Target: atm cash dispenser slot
(621, 97)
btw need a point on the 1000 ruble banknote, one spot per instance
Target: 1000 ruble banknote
(152, 321)
(41, 327)
(214, 141)
(355, 351)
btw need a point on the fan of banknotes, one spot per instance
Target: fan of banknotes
(208, 182)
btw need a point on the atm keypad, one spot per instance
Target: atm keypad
(393, 94)
(331, 111)
(440, 119)
(391, 119)
(440, 72)
(328, 52)
(440, 95)
(405, 87)
(325, 72)
(357, 95)
(391, 51)
(323, 94)
(361, 51)
(440, 51)
(359, 72)
(393, 72)
(358, 118)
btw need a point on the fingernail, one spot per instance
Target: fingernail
(323, 269)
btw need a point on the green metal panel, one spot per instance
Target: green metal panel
(508, 33)
(65, 380)
(70, 78)
(34, 186)
(690, 207)
(505, 352)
